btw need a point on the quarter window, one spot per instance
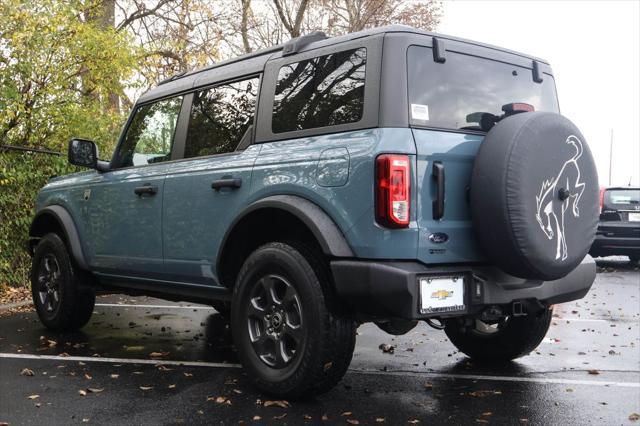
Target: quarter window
(150, 135)
(323, 91)
(221, 118)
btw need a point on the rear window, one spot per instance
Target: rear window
(323, 91)
(455, 94)
(622, 197)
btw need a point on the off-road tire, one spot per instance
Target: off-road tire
(518, 337)
(329, 337)
(75, 303)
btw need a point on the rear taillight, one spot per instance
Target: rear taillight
(393, 190)
(602, 198)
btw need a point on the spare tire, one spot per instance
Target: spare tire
(534, 196)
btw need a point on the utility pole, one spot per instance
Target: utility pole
(610, 156)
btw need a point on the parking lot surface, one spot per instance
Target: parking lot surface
(148, 361)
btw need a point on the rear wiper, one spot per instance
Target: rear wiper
(487, 120)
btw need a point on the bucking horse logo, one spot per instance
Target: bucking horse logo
(555, 197)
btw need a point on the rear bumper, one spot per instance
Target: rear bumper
(383, 290)
(610, 246)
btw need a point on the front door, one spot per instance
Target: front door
(123, 207)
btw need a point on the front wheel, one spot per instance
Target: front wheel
(284, 322)
(61, 304)
(501, 341)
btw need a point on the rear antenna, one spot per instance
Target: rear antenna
(537, 75)
(438, 50)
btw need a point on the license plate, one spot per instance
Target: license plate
(634, 217)
(441, 294)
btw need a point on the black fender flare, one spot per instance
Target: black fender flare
(66, 223)
(323, 228)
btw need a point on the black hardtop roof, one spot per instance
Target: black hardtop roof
(254, 61)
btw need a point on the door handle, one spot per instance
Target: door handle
(146, 189)
(233, 183)
(438, 203)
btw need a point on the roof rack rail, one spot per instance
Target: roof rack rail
(173, 77)
(294, 45)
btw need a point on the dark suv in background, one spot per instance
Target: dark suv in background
(619, 228)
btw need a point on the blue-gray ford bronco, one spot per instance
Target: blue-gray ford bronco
(388, 176)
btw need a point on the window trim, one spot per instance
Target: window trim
(369, 119)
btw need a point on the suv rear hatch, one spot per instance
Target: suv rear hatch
(620, 215)
(451, 107)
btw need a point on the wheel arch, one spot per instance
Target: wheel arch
(57, 219)
(302, 217)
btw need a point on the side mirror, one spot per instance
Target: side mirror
(83, 153)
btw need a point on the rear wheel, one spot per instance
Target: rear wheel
(284, 323)
(500, 341)
(55, 287)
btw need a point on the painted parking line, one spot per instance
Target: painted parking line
(435, 375)
(120, 360)
(209, 308)
(121, 305)
(542, 380)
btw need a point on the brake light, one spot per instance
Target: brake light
(602, 190)
(517, 107)
(393, 195)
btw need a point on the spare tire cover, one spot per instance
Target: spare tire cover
(534, 196)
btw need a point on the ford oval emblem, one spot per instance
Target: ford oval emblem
(438, 238)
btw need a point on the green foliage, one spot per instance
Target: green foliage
(21, 176)
(59, 72)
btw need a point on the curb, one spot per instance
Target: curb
(15, 305)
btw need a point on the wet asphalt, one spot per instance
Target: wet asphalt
(149, 361)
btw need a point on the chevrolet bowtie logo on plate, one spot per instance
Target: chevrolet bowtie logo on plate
(441, 294)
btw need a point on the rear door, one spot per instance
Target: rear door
(207, 189)
(450, 105)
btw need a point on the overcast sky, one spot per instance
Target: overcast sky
(594, 50)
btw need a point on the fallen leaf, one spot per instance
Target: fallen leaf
(386, 348)
(325, 418)
(413, 422)
(146, 388)
(256, 418)
(95, 390)
(634, 417)
(85, 420)
(223, 400)
(164, 368)
(353, 422)
(26, 372)
(158, 354)
(33, 396)
(346, 413)
(63, 354)
(82, 392)
(115, 376)
(594, 372)
(172, 386)
(380, 420)
(487, 413)
(187, 374)
(280, 417)
(428, 386)
(133, 348)
(281, 404)
(87, 376)
(307, 417)
(328, 366)
(569, 390)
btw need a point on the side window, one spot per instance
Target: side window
(221, 118)
(150, 134)
(323, 91)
